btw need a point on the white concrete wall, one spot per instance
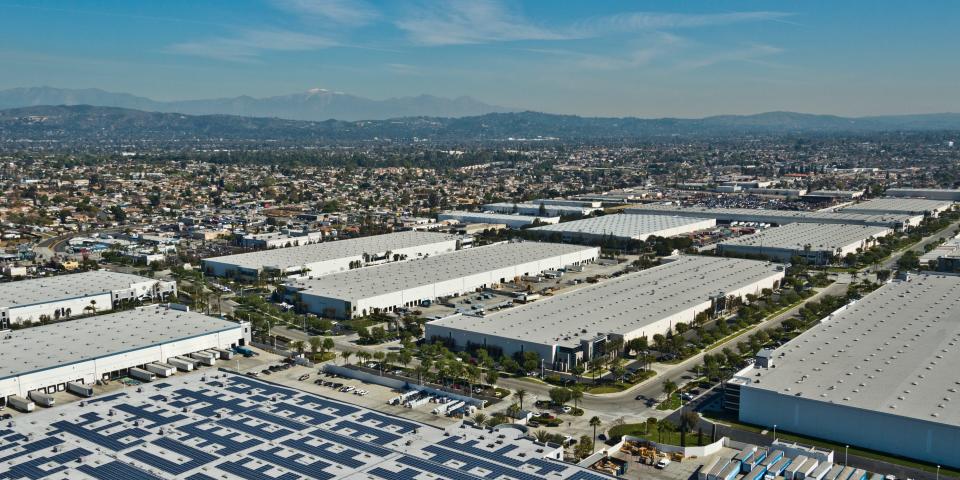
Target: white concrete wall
(922, 440)
(76, 306)
(92, 370)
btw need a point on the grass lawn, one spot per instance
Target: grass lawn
(639, 429)
(836, 447)
(671, 403)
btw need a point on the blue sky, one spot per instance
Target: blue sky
(608, 58)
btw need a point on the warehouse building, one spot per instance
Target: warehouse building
(291, 238)
(571, 328)
(880, 374)
(780, 217)
(818, 244)
(567, 202)
(512, 221)
(227, 426)
(928, 193)
(944, 257)
(538, 209)
(105, 347)
(65, 296)
(902, 206)
(626, 227)
(388, 287)
(330, 257)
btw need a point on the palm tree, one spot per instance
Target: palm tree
(346, 354)
(521, 394)
(379, 357)
(595, 422)
(315, 345)
(541, 435)
(299, 346)
(669, 386)
(576, 394)
(479, 419)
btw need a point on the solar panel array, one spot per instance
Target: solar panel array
(227, 426)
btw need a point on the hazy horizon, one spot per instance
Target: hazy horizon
(615, 59)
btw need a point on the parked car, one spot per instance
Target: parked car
(663, 463)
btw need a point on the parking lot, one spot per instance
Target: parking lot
(376, 397)
(491, 300)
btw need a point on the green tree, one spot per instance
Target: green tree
(595, 422)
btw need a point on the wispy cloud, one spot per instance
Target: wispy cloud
(345, 12)
(249, 44)
(641, 21)
(459, 22)
(750, 53)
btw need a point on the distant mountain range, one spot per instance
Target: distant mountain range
(86, 125)
(315, 104)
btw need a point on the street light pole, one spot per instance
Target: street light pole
(846, 449)
(938, 472)
(774, 432)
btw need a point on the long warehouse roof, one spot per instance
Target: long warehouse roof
(393, 277)
(491, 217)
(915, 206)
(828, 236)
(39, 348)
(790, 215)
(294, 256)
(629, 225)
(895, 351)
(62, 287)
(619, 305)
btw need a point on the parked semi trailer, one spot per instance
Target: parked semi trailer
(162, 370)
(142, 375)
(41, 398)
(204, 358)
(224, 354)
(80, 389)
(20, 403)
(181, 365)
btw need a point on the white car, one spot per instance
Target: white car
(663, 463)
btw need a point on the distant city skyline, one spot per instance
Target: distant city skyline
(617, 58)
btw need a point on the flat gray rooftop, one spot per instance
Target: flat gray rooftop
(393, 277)
(895, 351)
(786, 215)
(491, 217)
(916, 206)
(631, 225)
(619, 305)
(294, 256)
(61, 287)
(39, 348)
(829, 236)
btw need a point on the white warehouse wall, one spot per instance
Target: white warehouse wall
(92, 370)
(927, 441)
